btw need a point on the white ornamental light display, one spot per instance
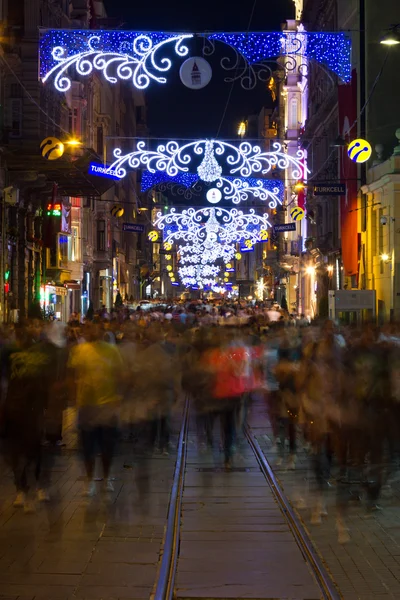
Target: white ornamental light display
(207, 238)
(213, 157)
(202, 228)
(138, 61)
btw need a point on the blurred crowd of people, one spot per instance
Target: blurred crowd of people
(334, 392)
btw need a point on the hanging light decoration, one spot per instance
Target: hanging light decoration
(209, 170)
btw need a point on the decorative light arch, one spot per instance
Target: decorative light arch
(141, 57)
(233, 188)
(212, 158)
(206, 239)
(206, 226)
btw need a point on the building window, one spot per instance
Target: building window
(73, 250)
(73, 121)
(15, 117)
(63, 249)
(293, 114)
(100, 141)
(101, 235)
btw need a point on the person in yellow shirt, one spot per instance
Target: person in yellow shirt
(96, 368)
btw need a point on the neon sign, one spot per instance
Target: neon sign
(102, 171)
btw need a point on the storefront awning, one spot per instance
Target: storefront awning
(71, 175)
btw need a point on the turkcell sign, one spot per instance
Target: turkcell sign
(330, 189)
(103, 171)
(133, 227)
(285, 227)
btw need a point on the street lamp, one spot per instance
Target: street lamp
(299, 186)
(242, 129)
(392, 37)
(385, 257)
(310, 270)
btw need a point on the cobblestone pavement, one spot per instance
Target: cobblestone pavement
(74, 548)
(367, 567)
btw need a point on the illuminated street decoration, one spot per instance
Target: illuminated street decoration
(359, 151)
(236, 189)
(119, 55)
(152, 179)
(141, 57)
(202, 228)
(209, 170)
(239, 190)
(214, 196)
(240, 161)
(206, 239)
(197, 254)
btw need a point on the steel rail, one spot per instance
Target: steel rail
(166, 575)
(323, 578)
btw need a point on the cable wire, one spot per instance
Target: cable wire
(28, 95)
(234, 79)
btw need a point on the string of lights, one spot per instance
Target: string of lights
(124, 55)
(244, 160)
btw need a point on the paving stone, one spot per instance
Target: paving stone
(113, 593)
(74, 541)
(366, 562)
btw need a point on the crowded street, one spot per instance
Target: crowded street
(250, 394)
(199, 300)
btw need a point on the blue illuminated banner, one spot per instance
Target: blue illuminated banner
(103, 171)
(175, 283)
(246, 249)
(141, 57)
(230, 270)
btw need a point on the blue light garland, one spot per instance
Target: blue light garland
(150, 180)
(120, 55)
(333, 50)
(186, 180)
(123, 55)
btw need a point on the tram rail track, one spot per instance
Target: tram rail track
(169, 559)
(164, 588)
(321, 575)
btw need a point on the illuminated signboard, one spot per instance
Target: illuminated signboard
(53, 210)
(103, 171)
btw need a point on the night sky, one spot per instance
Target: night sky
(174, 111)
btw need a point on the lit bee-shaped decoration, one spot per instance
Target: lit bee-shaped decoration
(117, 210)
(238, 256)
(51, 148)
(248, 244)
(168, 246)
(264, 235)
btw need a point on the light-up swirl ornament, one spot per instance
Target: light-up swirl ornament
(238, 190)
(201, 243)
(141, 66)
(243, 160)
